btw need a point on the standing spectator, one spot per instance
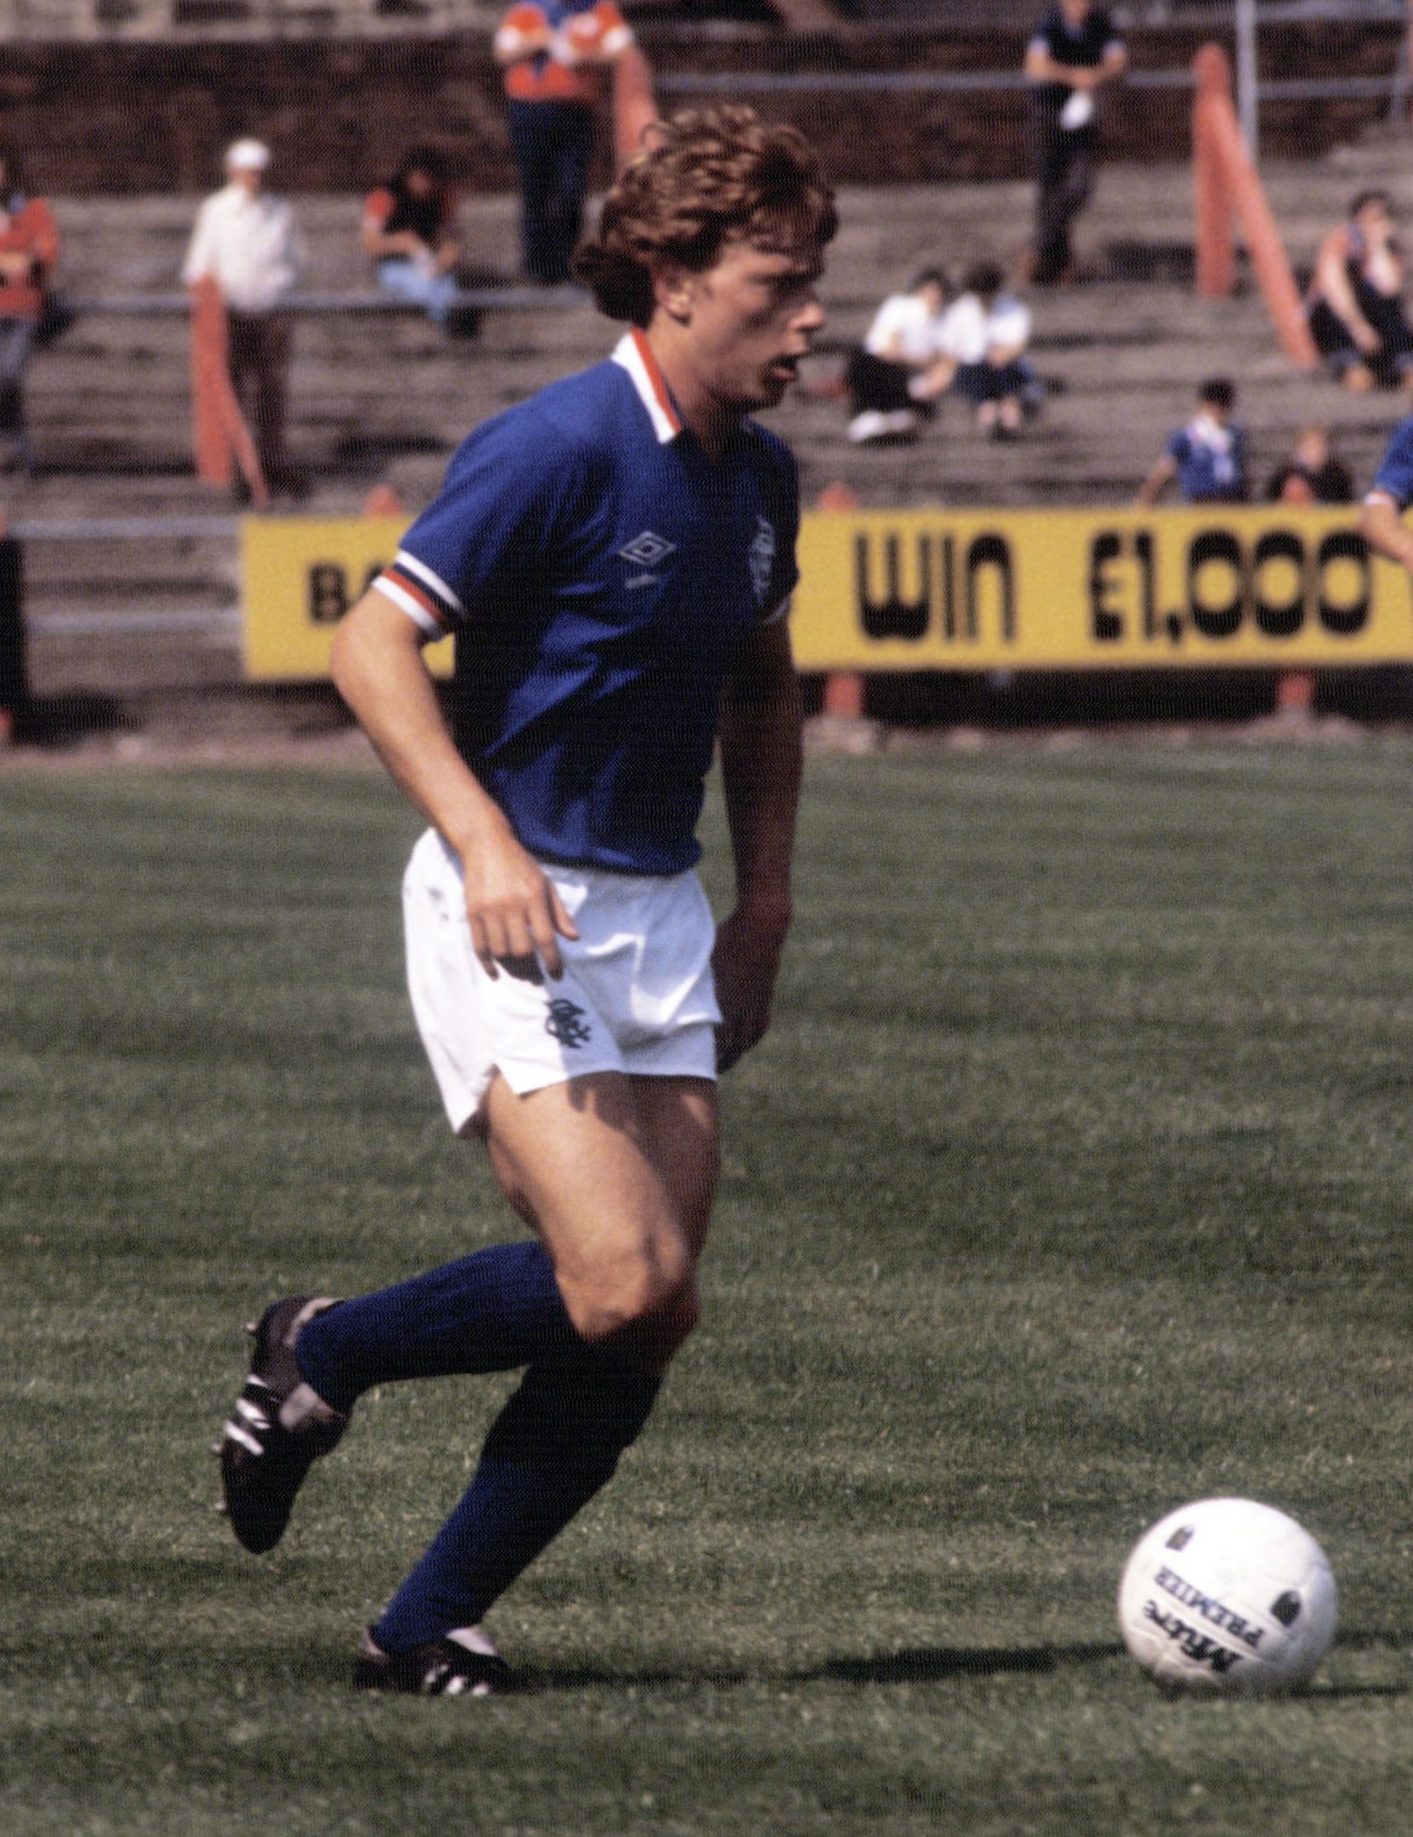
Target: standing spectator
(1312, 474)
(555, 54)
(983, 339)
(1356, 299)
(29, 248)
(900, 346)
(1207, 457)
(409, 228)
(245, 241)
(1074, 52)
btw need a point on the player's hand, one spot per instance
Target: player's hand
(745, 963)
(515, 913)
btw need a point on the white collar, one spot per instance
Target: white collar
(633, 353)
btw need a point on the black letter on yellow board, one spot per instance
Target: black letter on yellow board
(1344, 545)
(1220, 545)
(992, 551)
(1279, 618)
(1106, 623)
(328, 593)
(893, 617)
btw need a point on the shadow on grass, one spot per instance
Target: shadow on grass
(911, 1665)
(924, 1664)
(930, 1665)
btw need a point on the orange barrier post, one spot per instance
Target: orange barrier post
(843, 689)
(383, 501)
(634, 104)
(1227, 184)
(220, 437)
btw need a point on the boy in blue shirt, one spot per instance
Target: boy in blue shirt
(1207, 457)
(614, 557)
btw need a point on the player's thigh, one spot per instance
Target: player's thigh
(584, 1162)
(680, 1121)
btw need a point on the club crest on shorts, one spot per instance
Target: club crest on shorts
(565, 1022)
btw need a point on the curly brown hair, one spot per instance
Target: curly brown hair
(703, 178)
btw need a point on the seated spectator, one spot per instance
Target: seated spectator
(1355, 300)
(900, 346)
(1207, 457)
(29, 248)
(1312, 474)
(983, 341)
(408, 229)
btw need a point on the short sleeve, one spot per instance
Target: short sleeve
(484, 541)
(779, 538)
(1010, 323)
(1394, 478)
(377, 207)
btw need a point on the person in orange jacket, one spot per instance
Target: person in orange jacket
(29, 249)
(555, 55)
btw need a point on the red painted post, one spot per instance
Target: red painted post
(1221, 142)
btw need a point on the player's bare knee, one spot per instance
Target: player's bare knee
(653, 1296)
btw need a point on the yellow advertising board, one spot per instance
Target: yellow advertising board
(1211, 586)
(1271, 586)
(299, 576)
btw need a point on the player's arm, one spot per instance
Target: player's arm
(1113, 64)
(1042, 67)
(1382, 527)
(1157, 481)
(1331, 284)
(761, 762)
(378, 668)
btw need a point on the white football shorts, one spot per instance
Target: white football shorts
(636, 995)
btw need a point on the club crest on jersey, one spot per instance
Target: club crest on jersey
(761, 559)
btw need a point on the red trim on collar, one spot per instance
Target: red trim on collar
(655, 377)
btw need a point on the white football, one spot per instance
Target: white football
(1228, 1595)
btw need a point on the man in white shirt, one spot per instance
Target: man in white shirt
(245, 240)
(900, 345)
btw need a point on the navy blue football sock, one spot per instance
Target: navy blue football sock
(493, 1311)
(556, 1442)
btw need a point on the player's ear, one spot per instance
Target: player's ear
(674, 289)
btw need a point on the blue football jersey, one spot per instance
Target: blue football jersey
(1394, 477)
(601, 575)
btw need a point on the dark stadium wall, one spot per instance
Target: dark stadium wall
(144, 117)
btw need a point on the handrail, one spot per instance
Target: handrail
(177, 302)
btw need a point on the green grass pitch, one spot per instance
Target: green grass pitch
(1074, 1181)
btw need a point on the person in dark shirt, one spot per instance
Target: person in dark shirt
(1355, 300)
(1075, 50)
(1312, 474)
(409, 230)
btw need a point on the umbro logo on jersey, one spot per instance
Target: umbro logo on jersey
(647, 550)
